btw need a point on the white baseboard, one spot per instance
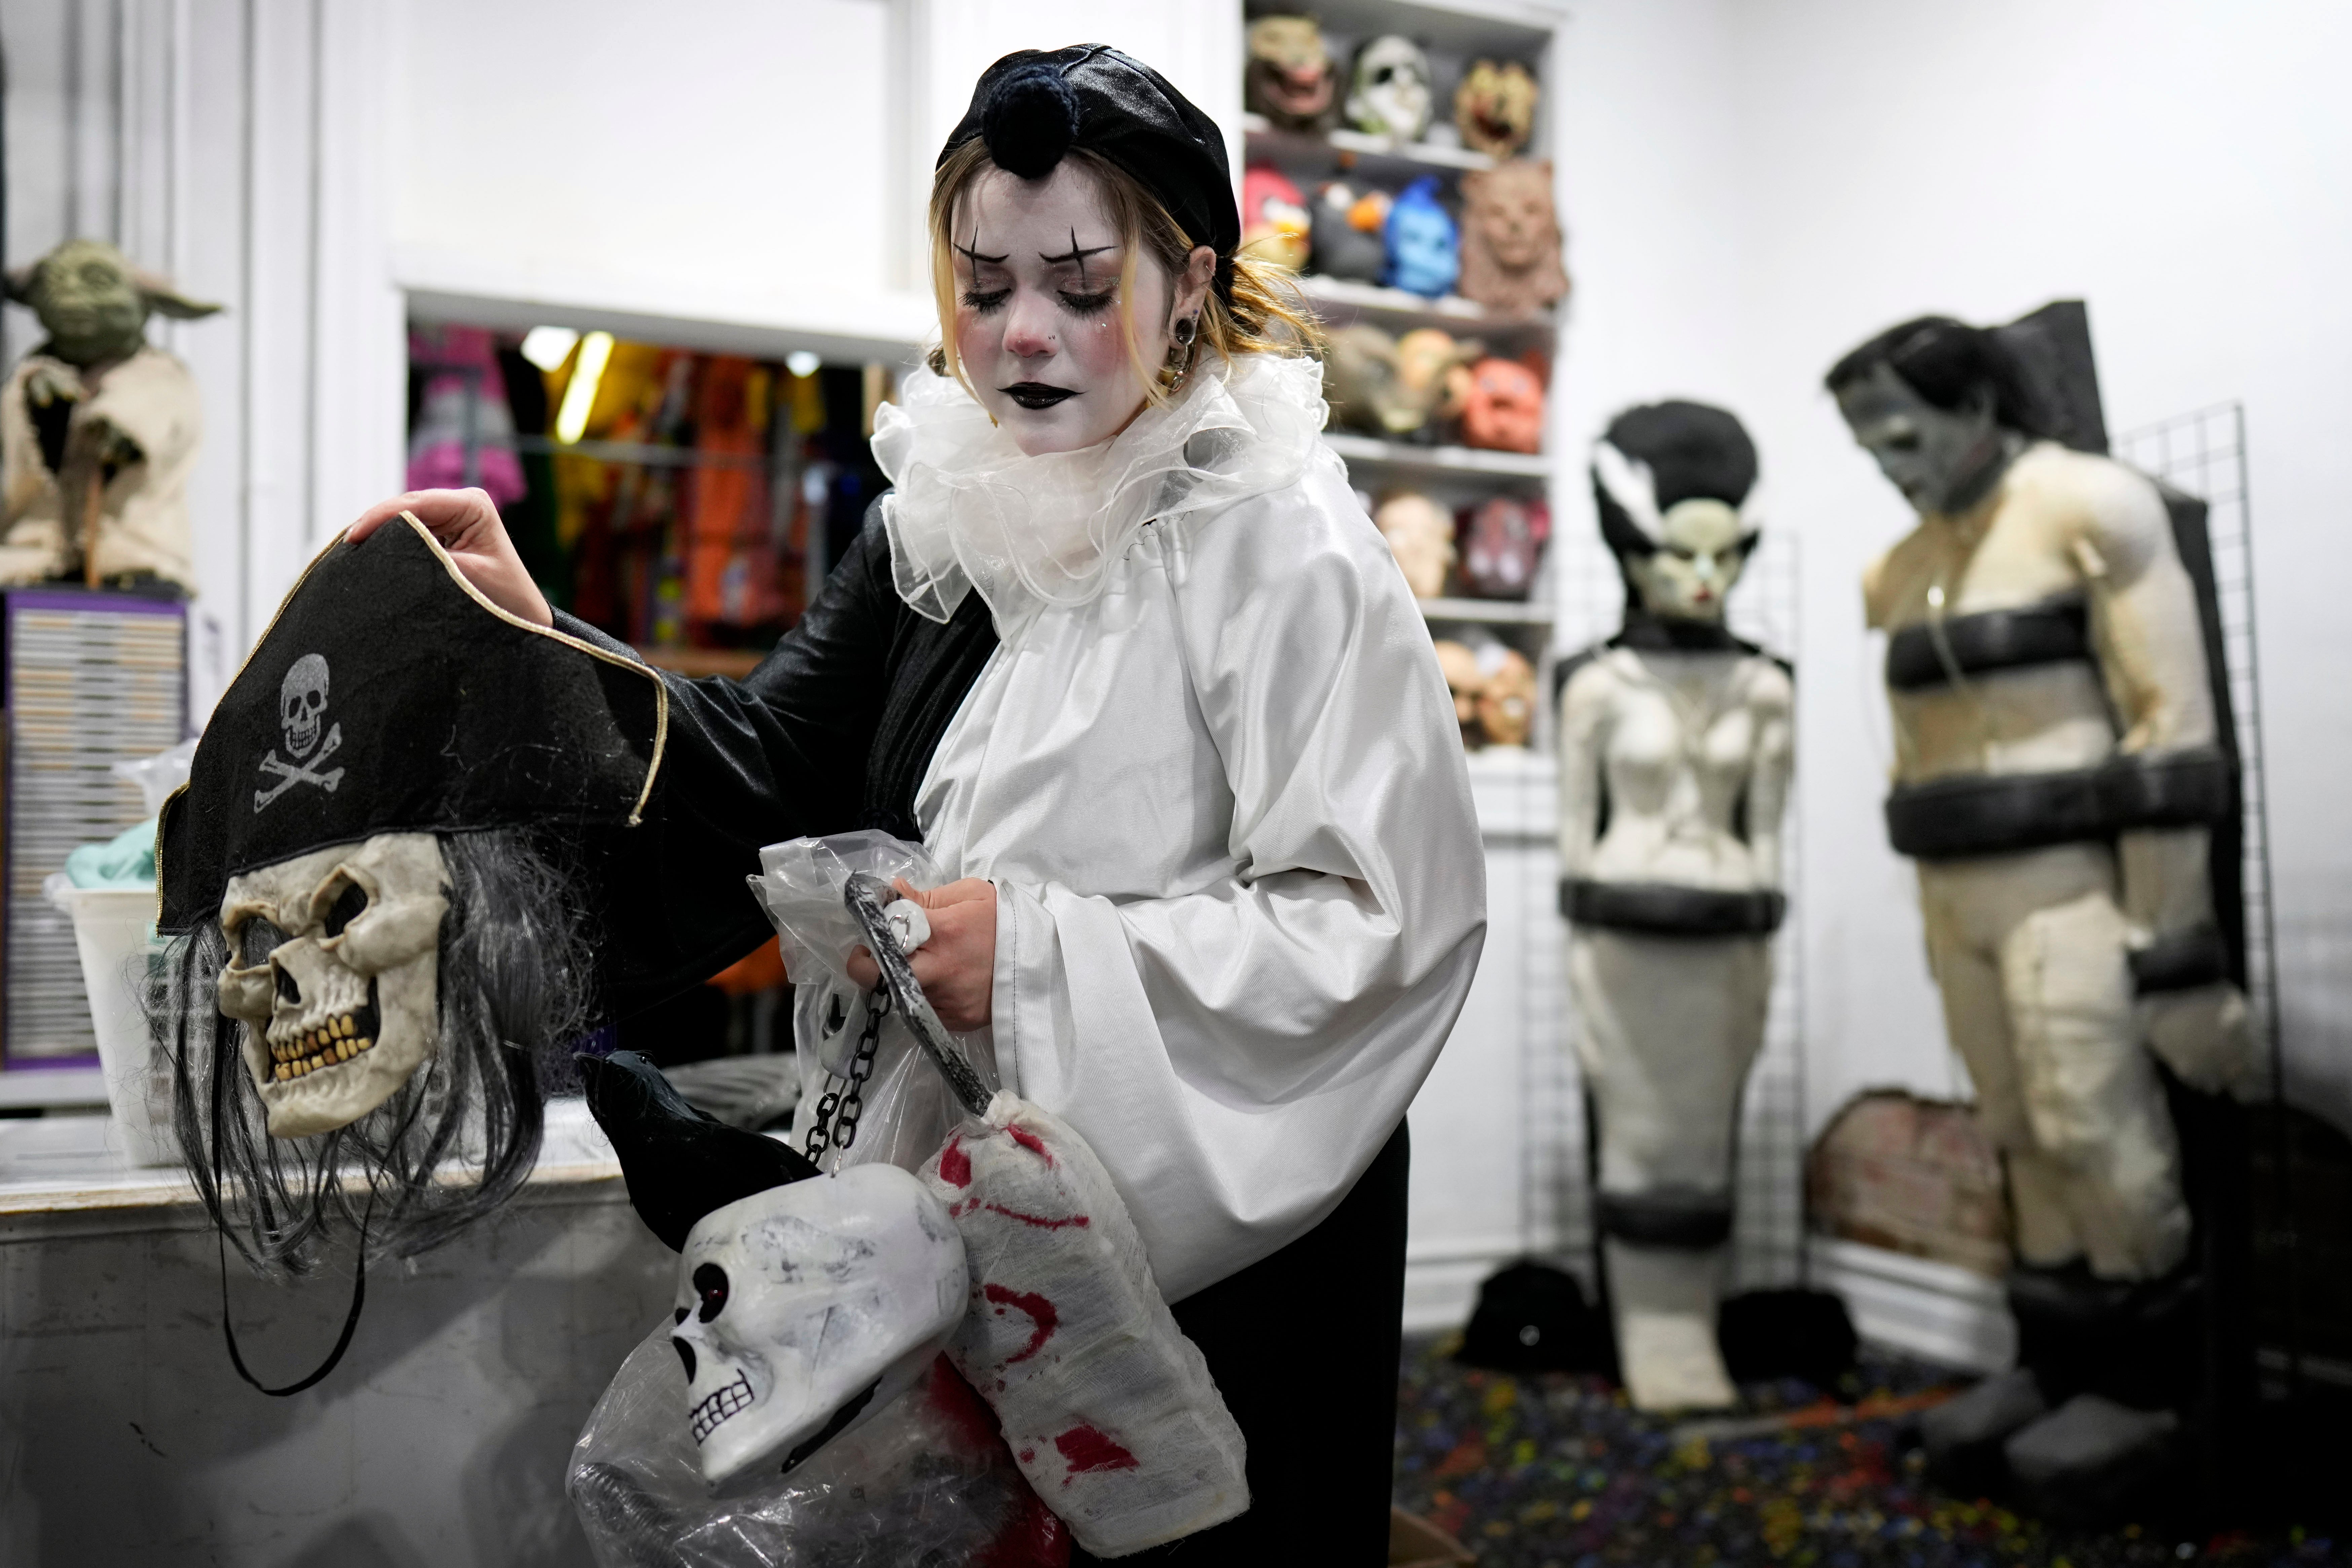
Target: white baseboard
(1937, 1310)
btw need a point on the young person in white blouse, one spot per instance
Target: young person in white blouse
(1123, 651)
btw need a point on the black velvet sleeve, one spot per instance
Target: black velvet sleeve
(831, 733)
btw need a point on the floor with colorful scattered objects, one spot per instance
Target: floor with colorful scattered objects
(1555, 1471)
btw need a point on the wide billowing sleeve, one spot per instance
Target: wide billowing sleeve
(1238, 1051)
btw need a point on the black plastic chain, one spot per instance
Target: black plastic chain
(837, 1115)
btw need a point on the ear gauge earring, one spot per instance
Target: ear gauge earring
(1172, 374)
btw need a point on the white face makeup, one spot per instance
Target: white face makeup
(1702, 549)
(1039, 323)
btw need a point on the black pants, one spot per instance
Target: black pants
(1304, 1347)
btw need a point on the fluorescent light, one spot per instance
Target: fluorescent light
(547, 346)
(802, 363)
(571, 422)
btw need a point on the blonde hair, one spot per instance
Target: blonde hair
(1265, 314)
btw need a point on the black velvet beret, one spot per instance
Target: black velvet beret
(388, 697)
(1034, 105)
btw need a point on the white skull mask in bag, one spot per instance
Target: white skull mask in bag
(804, 1308)
(333, 970)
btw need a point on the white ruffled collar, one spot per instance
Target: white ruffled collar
(971, 512)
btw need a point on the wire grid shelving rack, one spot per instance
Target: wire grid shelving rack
(2203, 452)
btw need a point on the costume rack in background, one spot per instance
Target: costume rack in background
(687, 503)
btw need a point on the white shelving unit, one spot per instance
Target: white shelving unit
(1341, 297)
(1490, 611)
(1493, 1177)
(1369, 452)
(1342, 148)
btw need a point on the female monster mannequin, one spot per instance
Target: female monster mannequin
(1124, 652)
(1675, 764)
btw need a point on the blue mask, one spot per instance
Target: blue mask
(1425, 248)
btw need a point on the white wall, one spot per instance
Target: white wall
(727, 161)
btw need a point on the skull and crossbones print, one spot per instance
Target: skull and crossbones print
(301, 706)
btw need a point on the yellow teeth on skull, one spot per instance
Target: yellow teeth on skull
(329, 1044)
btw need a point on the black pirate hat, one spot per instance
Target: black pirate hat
(389, 695)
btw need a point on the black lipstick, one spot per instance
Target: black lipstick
(1038, 394)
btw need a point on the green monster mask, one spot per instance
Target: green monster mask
(94, 304)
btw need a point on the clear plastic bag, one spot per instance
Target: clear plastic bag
(926, 1481)
(904, 1112)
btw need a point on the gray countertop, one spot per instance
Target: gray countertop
(66, 1164)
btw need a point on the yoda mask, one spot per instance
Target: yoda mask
(98, 429)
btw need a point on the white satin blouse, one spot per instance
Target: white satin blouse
(1241, 892)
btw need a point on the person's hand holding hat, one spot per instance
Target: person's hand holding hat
(466, 523)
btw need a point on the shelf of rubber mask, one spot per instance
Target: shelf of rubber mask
(1403, 456)
(55, 1164)
(1336, 150)
(1341, 300)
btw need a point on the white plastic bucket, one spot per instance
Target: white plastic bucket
(114, 929)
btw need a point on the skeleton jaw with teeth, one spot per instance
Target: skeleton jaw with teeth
(333, 970)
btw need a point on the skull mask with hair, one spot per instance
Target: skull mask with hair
(392, 1004)
(376, 962)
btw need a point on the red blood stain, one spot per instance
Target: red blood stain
(1032, 1141)
(955, 1165)
(1028, 1455)
(1086, 1448)
(1041, 1312)
(1038, 1221)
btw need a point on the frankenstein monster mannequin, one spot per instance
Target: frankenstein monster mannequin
(1674, 762)
(2055, 774)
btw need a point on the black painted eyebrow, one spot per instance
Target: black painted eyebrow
(973, 255)
(1074, 254)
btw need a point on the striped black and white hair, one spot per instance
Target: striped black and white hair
(1652, 458)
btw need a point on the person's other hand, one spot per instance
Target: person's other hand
(468, 525)
(957, 967)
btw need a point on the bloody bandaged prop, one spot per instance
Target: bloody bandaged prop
(1109, 1409)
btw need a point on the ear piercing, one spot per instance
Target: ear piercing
(1180, 358)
